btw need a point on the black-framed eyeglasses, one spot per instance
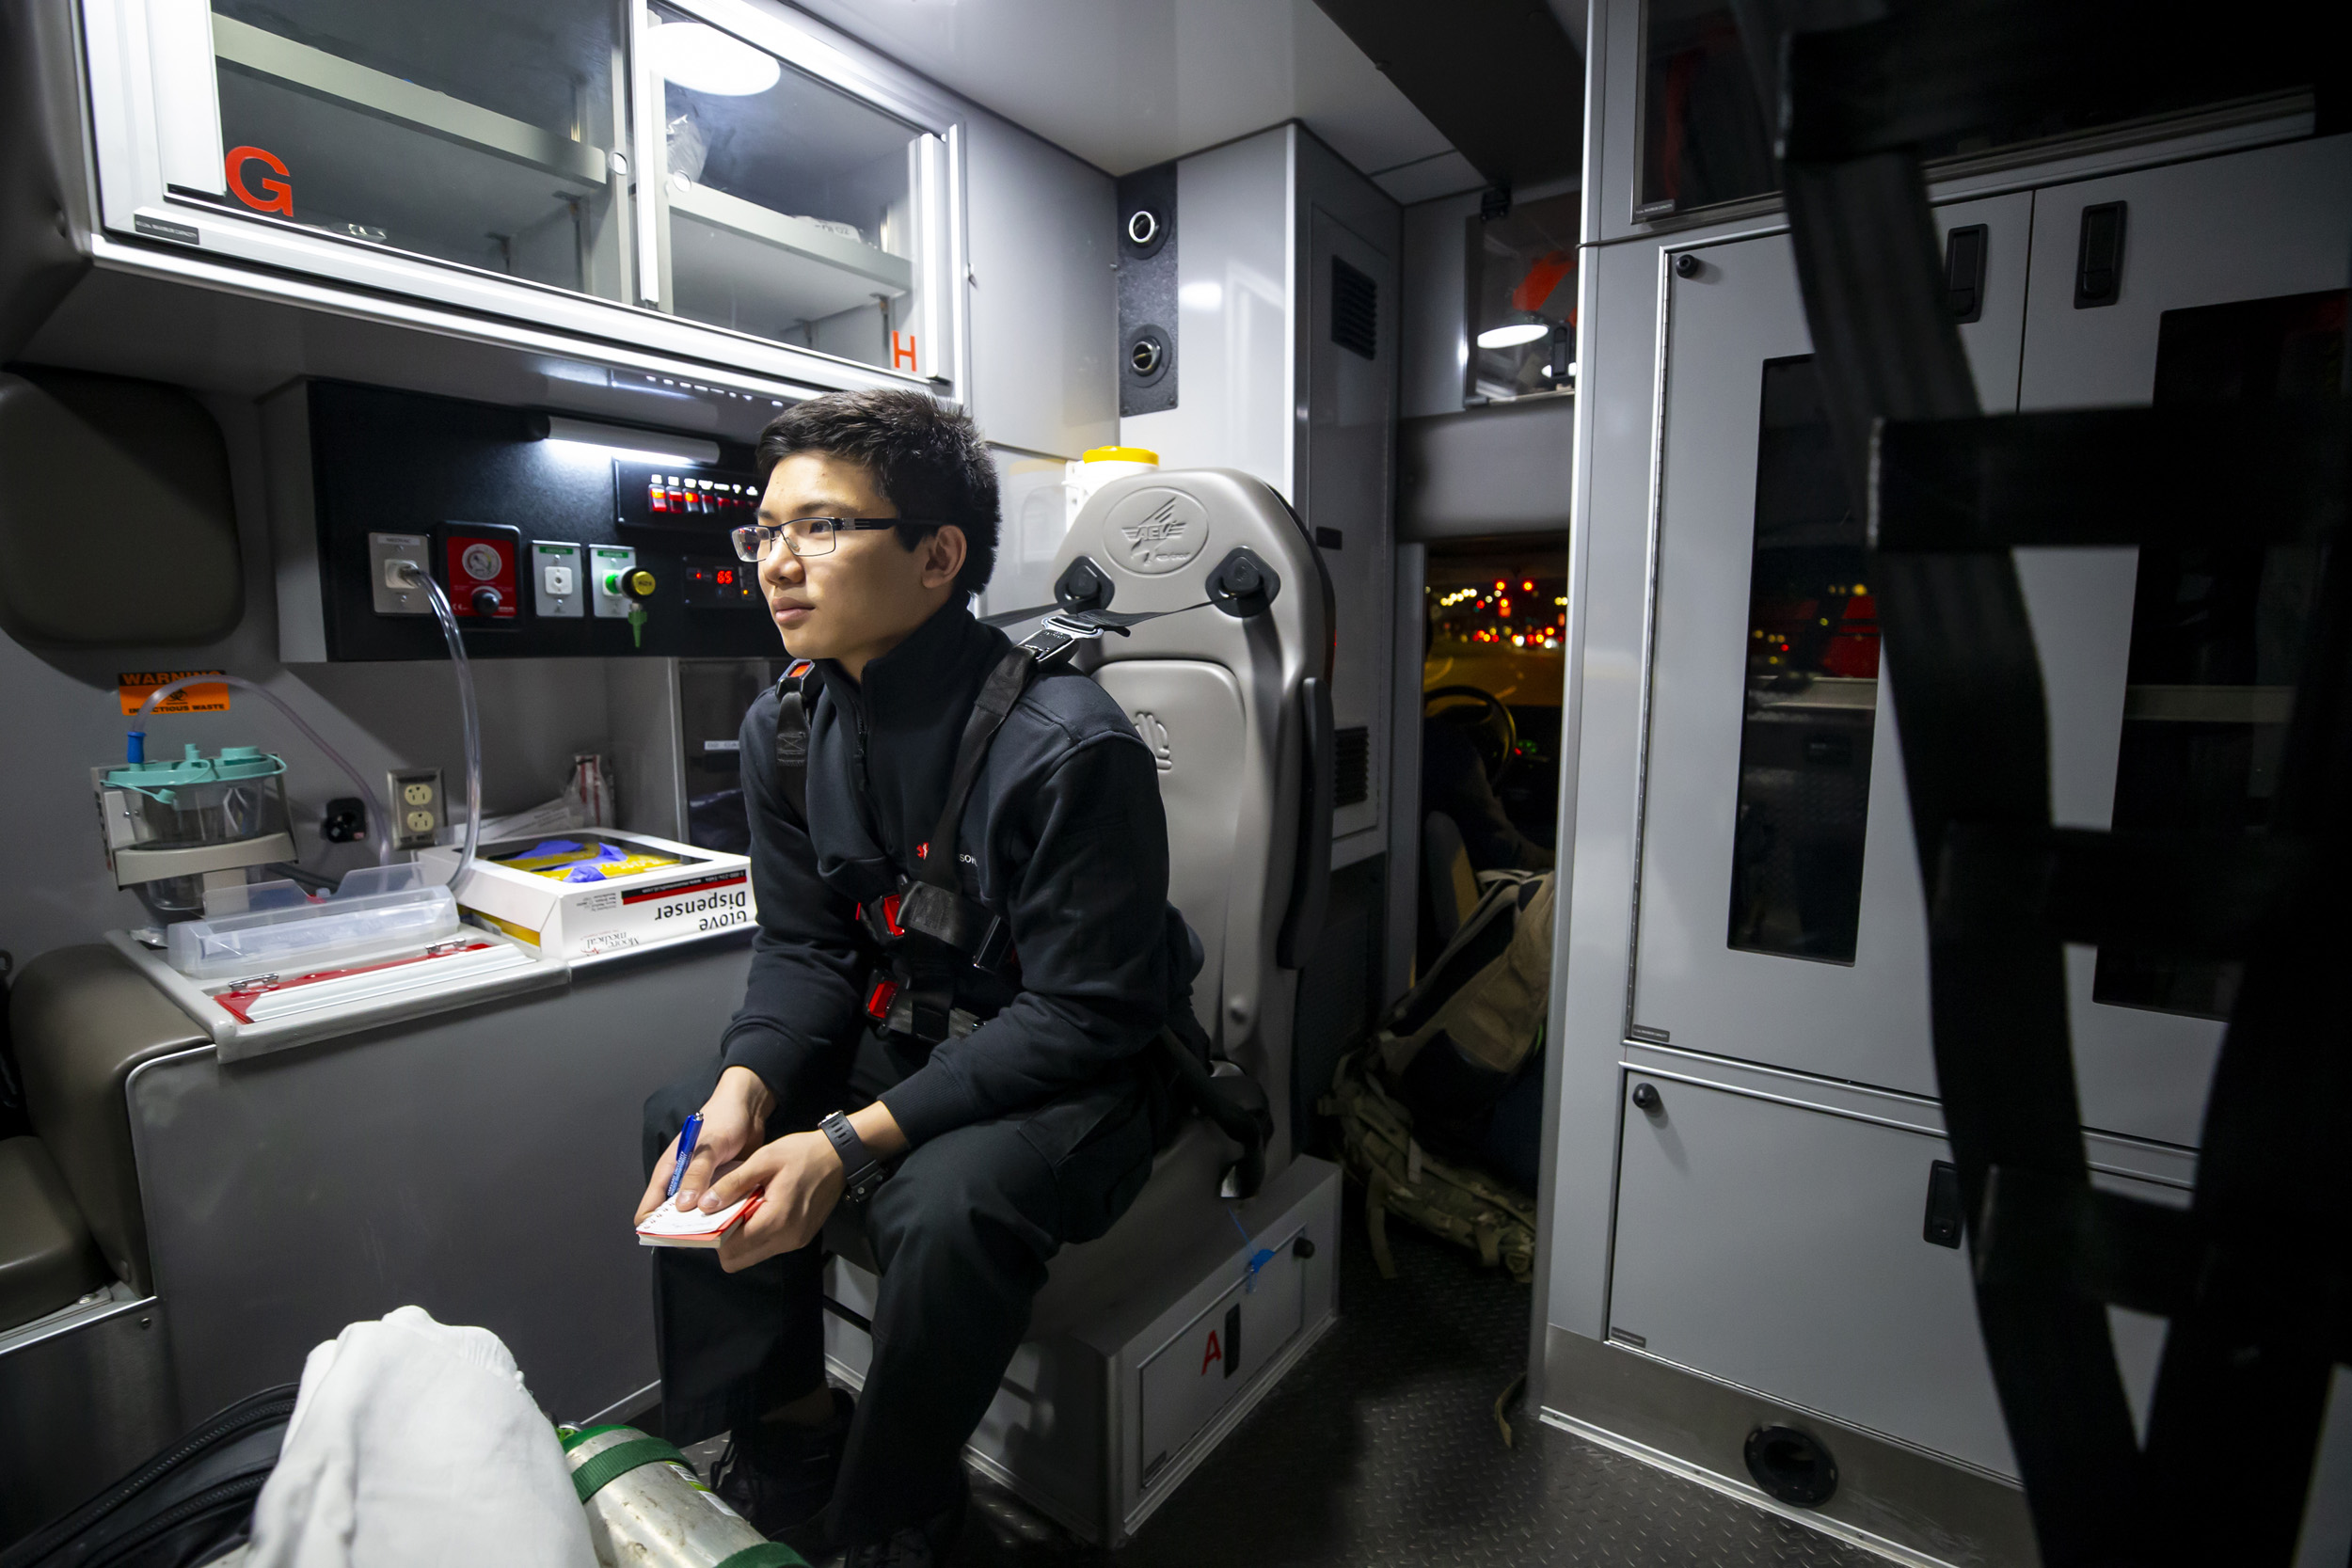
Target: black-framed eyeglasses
(807, 536)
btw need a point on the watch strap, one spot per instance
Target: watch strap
(858, 1167)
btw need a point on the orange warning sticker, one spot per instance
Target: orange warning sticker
(203, 697)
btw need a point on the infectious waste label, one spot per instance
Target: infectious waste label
(203, 697)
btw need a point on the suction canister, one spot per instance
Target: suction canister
(167, 824)
(647, 1509)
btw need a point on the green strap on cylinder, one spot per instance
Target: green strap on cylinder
(601, 1469)
(767, 1554)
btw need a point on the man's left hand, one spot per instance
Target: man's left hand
(803, 1179)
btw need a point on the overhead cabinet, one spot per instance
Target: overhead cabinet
(638, 173)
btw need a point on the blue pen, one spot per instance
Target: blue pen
(687, 1134)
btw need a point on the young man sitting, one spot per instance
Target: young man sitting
(1016, 1104)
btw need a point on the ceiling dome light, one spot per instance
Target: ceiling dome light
(1512, 337)
(704, 59)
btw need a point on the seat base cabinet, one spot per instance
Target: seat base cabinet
(1143, 1357)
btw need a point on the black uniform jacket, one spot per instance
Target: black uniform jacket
(1063, 837)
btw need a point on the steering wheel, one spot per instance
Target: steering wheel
(1494, 732)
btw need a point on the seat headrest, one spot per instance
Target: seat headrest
(1153, 541)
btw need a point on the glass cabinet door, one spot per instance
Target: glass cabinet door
(1780, 917)
(2170, 673)
(653, 169)
(479, 131)
(789, 210)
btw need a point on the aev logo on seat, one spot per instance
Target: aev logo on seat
(1157, 530)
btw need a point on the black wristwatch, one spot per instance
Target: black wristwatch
(862, 1172)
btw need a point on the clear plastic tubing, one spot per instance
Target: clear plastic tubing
(447, 617)
(136, 746)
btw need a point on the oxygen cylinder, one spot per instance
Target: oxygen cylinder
(647, 1509)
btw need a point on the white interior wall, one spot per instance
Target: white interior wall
(1234, 349)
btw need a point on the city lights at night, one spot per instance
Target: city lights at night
(1513, 610)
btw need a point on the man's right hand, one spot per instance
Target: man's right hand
(735, 1120)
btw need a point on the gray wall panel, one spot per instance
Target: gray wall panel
(1435, 303)
(1044, 300)
(1505, 468)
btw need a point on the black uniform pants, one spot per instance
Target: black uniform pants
(963, 1230)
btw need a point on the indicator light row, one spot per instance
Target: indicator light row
(672, 495)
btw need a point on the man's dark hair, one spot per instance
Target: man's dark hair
(929, 460)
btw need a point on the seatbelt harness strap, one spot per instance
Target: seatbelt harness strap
(917, 999)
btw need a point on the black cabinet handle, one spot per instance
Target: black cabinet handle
(1964, 271)
(2099, 264)
(1945, 1211)
(1645, 1098)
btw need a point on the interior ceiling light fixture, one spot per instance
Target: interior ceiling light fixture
(701, 58)
(1512, 337)
(612, 440)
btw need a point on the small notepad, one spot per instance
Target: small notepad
(670, 1225)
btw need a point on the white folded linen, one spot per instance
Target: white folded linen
(414, 1442)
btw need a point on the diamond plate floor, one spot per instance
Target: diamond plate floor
(1380, 1449)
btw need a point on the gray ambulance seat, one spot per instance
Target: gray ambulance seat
(1226, 708)
(46, 1259)
(83, 1020)
(88, 1395)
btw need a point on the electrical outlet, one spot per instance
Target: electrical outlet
(417, 809)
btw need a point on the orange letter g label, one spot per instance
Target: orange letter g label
(277, 196)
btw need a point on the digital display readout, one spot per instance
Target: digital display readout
(716, 583)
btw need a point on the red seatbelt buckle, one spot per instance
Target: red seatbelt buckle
(890, 914)
(798, 666)
(878, 1002)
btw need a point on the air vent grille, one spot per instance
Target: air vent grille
(1351, 766)
(1354, 310)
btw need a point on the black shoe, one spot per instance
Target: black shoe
(780, 1477)
(928, 1545)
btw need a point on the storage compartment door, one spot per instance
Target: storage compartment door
(1780, 917)
(2169, 673)
(1196, 1374)
(1781, 1249)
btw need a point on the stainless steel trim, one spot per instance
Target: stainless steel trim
(121, 1298)
(958, 298)
(646, 160)
(1898, 1500)
(686, 352)
(2139, 1158)
(1649, 616)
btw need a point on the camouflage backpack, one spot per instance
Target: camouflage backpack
(1459, 1202)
